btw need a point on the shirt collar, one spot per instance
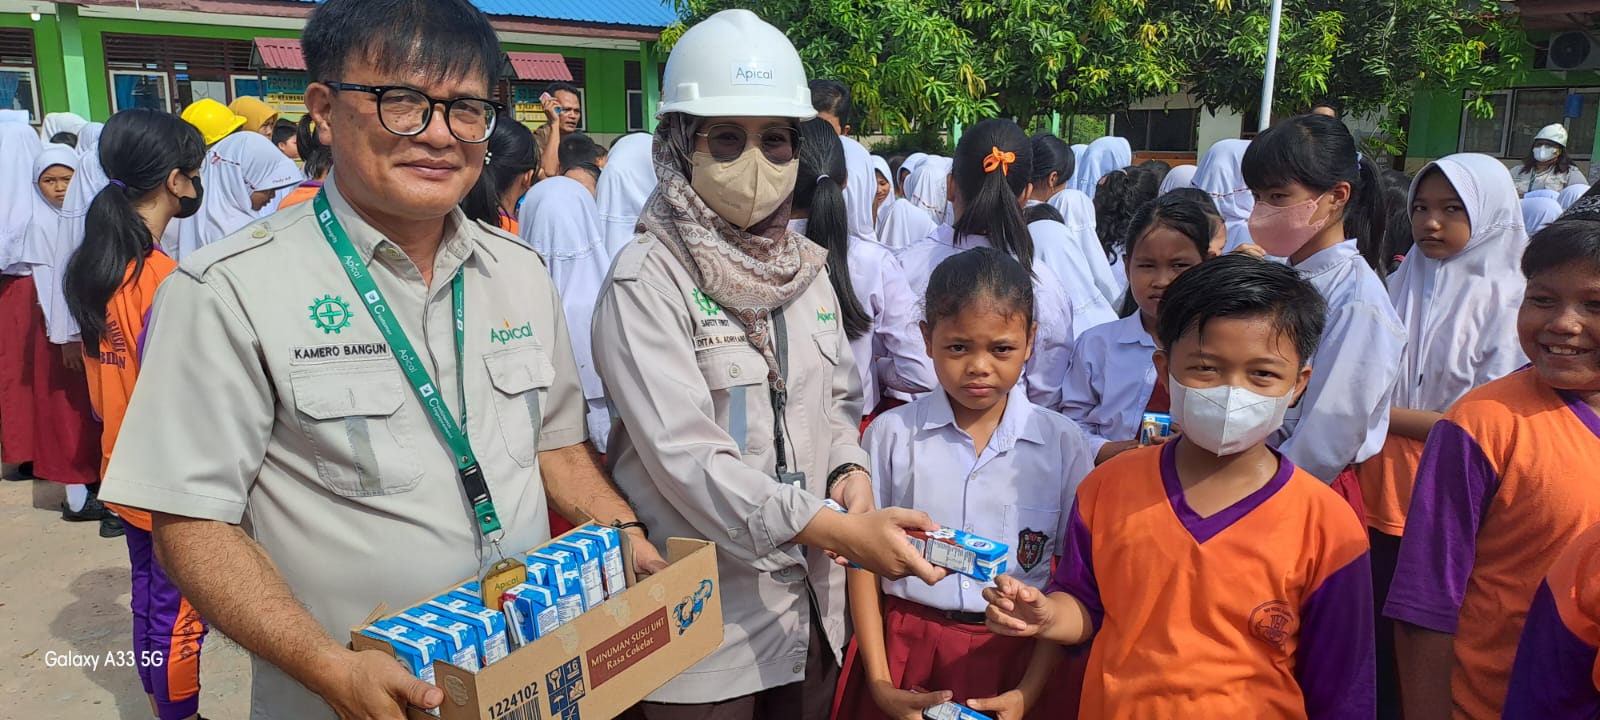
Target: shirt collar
(1130, 331)
(1016, 424)
(1328, 259)
(368, 241)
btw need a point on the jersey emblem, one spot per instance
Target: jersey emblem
(330, 313)
(1272, 622)
(1030, 548)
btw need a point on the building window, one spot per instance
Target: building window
(1520, 114)
(286, 93)
(1172, 130)
(633, 76)
(18, 91)
(194, 68)
(139, 89)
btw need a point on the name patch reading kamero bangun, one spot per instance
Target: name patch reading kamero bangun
(341, 351)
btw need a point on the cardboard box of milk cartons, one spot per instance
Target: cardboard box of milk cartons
(597, 666)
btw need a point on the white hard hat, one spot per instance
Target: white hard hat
(734, 64)
(1556, 133)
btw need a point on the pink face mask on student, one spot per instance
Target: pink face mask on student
(1282, 231)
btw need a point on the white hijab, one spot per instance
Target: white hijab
(859, 189)
(902, 224)
(60, 122)
(628, 180)
(1179, 177)
(44, 249)
(1219, 174)
(1571, 195)
(14, 116)
(1461, 313)
(928, 188)
(1101, 158)
(1077, 212)
(559, 220)
(1544, 193)
(881, 167)
(238, 165)
(1538, 212)
(19, 145)
(908, 166)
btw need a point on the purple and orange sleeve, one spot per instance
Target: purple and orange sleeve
(1455, 484)
(1075, 574)
(1554, 677)
(1336, 662)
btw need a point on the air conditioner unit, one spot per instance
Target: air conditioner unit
(1572, 51)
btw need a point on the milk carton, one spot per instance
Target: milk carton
(559, 571)
(610, 540)
(488, 627)
(952, 711)
(589, 554)
(460, 643)
(976, 557)
(531, 612)
(415, 649)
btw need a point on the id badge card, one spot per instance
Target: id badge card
(499, 578)
(795, 479)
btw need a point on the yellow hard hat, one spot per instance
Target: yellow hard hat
(213, 119)
(256, 112)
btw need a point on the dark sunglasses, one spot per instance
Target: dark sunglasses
(727, 142)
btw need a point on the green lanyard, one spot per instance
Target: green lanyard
(466, 462)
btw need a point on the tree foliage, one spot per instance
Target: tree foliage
(920, 63)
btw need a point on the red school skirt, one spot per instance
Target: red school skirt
(928, 651)
(1348, 485)
(21, 326)
(66, 431)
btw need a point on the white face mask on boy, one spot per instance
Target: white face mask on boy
(1226, 420)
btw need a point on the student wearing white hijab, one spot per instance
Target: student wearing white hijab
(20, 324)
(928, 187)
(41, 248)
(880, 166)
(559, 219)
(1179, 177)
(1102, 157)
(1538, 212)
(902, 224)
(87, 182)
(1458, 294)
(1219, 175)
(627, 182)
(1570, 196)
(859, 195)
(60, 122)
(240, 176)
(1054, 243)
(903, 181)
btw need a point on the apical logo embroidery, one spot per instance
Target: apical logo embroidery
(1030, 548)
(330, 313)
(689, 610)
(823, 316)
(1272, 622)
(707, 305)
(505, 336)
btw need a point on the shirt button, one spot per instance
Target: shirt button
(258, 234)
(799, 668)
(734, 371)
(966, 584)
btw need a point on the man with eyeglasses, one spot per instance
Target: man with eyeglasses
(380, 390)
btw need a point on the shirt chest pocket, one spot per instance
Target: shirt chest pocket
(521, 378)
(1032, 533)
(364, 435)
(737, 378)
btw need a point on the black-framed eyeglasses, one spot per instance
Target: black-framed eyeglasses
(406, 111)
(727, 142)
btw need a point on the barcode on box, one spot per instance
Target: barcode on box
(526, 712)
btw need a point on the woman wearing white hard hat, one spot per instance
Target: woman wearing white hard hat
(1548, 166)
(736, 397)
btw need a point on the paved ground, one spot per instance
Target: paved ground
(64, 590)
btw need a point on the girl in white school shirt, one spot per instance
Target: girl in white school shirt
(1113, 382)
(876, 307)
(1055, 244)
(976, 455)
(990, 173)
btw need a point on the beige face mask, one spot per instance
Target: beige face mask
(747, 189)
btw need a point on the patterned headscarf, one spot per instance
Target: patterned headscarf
(748, 273)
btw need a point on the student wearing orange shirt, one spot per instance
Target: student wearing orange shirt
(1215, 578)
(316, 160)
(1506, 481)
(152, 160)
(1556, 675)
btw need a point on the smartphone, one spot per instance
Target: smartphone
(546, 98)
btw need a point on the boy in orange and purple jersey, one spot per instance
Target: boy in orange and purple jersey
(1505, 483)
(1216, 579)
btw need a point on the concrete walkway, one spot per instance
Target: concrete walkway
(64, 591)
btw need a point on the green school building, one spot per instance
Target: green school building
(95, 57)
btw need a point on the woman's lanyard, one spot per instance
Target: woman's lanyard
(466, 462)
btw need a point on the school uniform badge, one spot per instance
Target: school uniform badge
(331, 314)
(1031, 548)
